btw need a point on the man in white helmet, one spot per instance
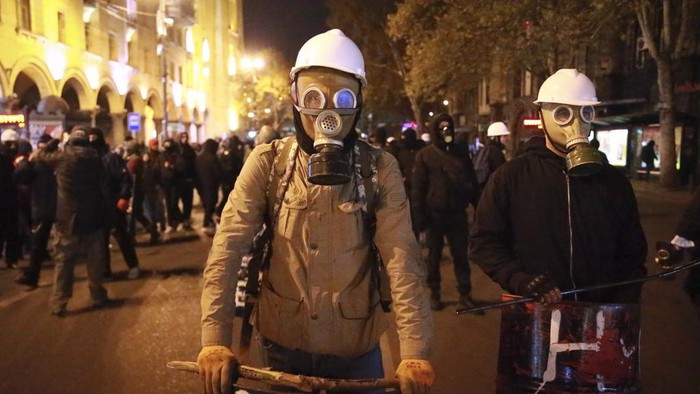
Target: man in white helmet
(491, 156)
(319, 311)
(556, 218)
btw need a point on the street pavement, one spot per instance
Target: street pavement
(123, 349)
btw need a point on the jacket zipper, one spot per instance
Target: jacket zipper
(571, 234)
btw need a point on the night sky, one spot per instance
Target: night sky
(284, 25)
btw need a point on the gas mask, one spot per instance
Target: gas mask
(328, 104)
(447, 132)
(567, 128)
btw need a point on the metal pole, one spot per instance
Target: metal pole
(165, 89)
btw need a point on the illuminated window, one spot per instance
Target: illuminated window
(130, 46)
(24, 17)
(87, 37)
(113, 47)
(206, 55)
(61, 27)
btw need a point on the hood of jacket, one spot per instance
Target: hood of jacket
(435, 135)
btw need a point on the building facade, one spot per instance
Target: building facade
(147, 68)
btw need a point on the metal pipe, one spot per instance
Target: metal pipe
(585, 289)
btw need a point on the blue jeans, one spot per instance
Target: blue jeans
(366, 366)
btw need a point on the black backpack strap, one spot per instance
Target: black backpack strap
(367, 158)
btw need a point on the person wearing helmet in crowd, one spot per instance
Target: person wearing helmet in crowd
(491, 156)
(556, 217)
(443, 184)
(318, 311)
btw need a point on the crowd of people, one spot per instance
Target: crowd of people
(56, 199)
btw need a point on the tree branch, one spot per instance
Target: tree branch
(666, 27)
(682, 31)
(643, 17)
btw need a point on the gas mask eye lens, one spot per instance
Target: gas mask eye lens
(344, 98)
(587, 113)
(313, 98)
(562, 115)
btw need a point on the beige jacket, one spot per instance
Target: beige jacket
(317, 294)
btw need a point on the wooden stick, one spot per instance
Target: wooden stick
(300, 382)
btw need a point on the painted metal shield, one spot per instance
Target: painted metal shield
(571, 347)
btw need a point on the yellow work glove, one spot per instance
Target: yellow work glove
(415, 376)
(218, 369)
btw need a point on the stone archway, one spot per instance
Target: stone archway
(75, 95)
(27, 91)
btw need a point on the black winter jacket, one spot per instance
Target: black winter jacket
(441, 182)
(82, 189)
(522, 227)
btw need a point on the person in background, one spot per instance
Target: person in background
(491, 156)
(596, 144)
(153, 191)
(648, 157)
(231, 157)
(135, 166)
(9, 220)
(209, 178)
(405, 154)
(119, 184)
(443, 184)
(43, 201)
(266, 135)
(185, 178)
(81, 218)
(169, 181)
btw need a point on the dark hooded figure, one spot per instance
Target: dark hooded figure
(209, 177)
(231, 158)
(443, 184)
(168, 179)
(43, 202)
(120, 184)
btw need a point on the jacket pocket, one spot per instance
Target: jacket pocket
(293, 215)
(279, 318)
(361, 321)
(350, 225)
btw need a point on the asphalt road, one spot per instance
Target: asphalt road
(123, 349)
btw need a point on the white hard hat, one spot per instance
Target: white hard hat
(9, 135)
(496, 129)
(331, 49)
(567, 86)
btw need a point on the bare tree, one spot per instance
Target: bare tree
(670, 33)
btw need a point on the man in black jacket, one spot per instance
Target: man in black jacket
(119, 183)
(443, 185)
(557, 218)
(80, 218)
(43, 213)
(209, 178)
(185, 177)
